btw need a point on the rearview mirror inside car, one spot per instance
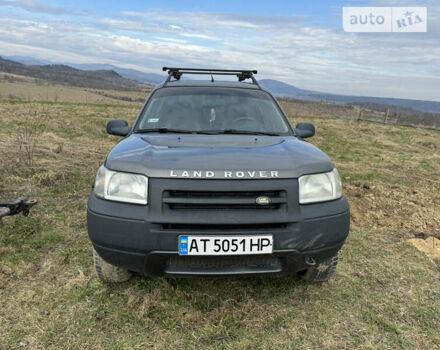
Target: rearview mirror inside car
(118, 127)
(305, 130)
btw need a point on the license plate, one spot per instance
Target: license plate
(225, 245)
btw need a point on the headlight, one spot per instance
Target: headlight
(320, 187)
(121, 187)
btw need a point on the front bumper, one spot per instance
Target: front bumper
(125, 235)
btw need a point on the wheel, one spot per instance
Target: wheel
(321, 272)
(108, 272)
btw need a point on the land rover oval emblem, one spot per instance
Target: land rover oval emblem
(263, 200)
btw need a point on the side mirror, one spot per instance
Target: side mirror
(305, 130)
(118, 127)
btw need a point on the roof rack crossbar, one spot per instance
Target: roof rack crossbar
(176, 73)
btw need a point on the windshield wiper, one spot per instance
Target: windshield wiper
(236, 131)
(204, 132)
(164, 131)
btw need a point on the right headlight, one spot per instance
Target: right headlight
(320, 187)
(121, 187)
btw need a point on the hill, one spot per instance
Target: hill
(146, 78)
(281, 89)
(133, 74)
(66, 75)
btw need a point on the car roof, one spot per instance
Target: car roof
(207, 83)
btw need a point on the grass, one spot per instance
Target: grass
(28, 89)
(385, 294)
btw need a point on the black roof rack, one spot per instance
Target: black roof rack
(176, 73)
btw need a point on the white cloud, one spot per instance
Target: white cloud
(35, 6)
(198, 36)
(172, 26)
(172, 40)
(280, 47)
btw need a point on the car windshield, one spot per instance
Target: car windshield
(212, 110)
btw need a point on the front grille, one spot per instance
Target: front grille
(222, 200)
(183, 263)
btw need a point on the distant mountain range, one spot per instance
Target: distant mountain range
(63, 74)
(281, 89)
(142, 77)
(109, 76)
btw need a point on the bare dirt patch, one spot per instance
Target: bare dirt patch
(408, 212)
(430, 246)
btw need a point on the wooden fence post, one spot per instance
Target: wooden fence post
(386, 116)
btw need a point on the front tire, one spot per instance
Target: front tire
(321, 272)
(107, 272)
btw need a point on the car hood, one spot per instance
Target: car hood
(217, 156)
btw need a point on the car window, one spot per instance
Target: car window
(205, 109)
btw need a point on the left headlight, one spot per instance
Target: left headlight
(121, 187)
(320, 187)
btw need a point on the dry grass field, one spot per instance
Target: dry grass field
(385, 294)
(21, 88)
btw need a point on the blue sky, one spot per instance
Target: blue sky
(298, 42)
(313, 8)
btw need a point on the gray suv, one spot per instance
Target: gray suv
(211, 180)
